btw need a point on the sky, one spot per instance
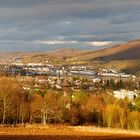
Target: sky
(43, 25)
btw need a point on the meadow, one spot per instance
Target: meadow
(61, 132)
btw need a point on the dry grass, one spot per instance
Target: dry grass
(64, 130)
(59, 132)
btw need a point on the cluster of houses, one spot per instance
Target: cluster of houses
(113, 73)
(29, 69)
(75, 84)
(39, 83)
(81, 70)
(33, 69)
(56, 75)
(56, 83)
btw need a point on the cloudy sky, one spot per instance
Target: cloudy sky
(41, 25)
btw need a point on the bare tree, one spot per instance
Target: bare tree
(7, 86)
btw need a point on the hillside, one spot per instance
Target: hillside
(56, 56)
(127, 51)
(125, 57)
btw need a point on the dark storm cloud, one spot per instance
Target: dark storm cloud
(23, 22)
(65, 8)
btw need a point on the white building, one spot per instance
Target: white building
(35, 64)
(96, 80)
(122, 94)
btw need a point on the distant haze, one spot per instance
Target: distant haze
(43, 25)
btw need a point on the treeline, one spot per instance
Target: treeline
(74, 108)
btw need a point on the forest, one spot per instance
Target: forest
(17, 106)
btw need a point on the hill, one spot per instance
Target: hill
(125, 57)
(126, 51)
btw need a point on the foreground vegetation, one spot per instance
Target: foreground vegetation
(18, 106)
(64, 132)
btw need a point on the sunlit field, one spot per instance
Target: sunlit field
(59, 132)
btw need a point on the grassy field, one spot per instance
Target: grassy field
(37, 132)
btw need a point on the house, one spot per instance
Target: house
(96, 80)
(122, 94)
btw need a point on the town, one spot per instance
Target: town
(76, 77)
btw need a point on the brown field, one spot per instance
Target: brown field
(37, 132)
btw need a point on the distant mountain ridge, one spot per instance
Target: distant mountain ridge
(125, 51)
